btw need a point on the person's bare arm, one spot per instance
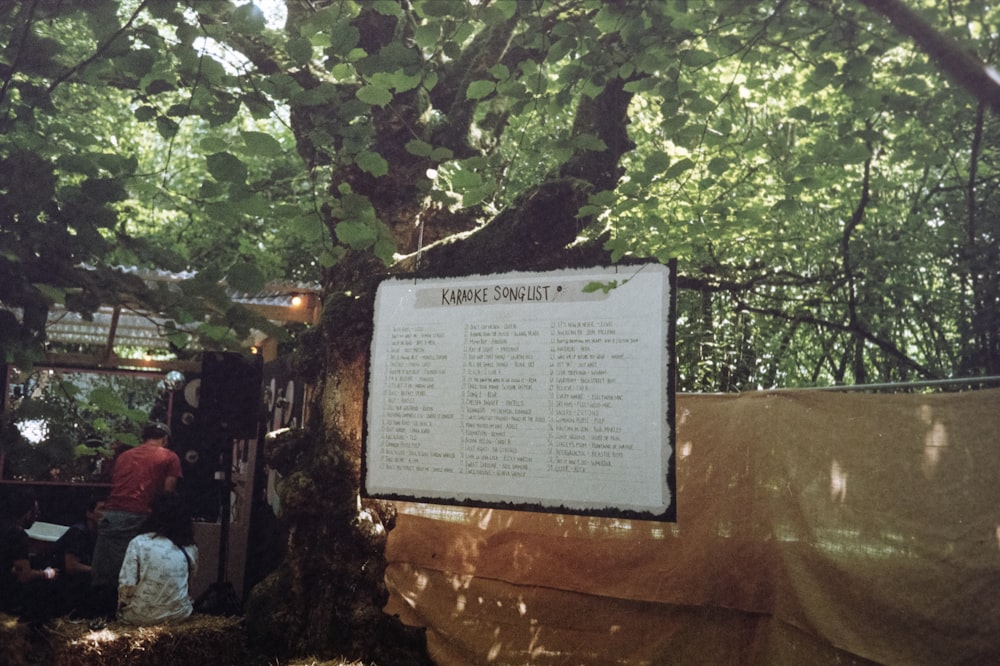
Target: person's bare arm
(170, 484)
(72, 564)
(25, 574)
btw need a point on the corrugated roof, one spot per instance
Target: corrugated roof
(131, 330)
(110, 327)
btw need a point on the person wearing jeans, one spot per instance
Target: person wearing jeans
(140, 475)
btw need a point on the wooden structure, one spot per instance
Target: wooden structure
(95, 345)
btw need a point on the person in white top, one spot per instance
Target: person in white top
(154, 582)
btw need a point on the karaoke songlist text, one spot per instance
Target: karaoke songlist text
(510, 400)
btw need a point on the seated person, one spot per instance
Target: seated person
(24, 591)
(72, 553)
(154, 582)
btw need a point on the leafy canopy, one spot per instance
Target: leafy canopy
(830, 196)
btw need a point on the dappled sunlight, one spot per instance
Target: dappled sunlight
(685, 450)
(838, 482)
(844, 543)
(497, 646)
(411, 595)
(935, 443)
(462, 581)
(465, 551)
(535, 647)
(766, 527)
(485, 518)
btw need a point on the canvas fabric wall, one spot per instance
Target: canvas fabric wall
(813, 527)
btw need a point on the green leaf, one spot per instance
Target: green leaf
(300, 50)
(323, 94)
(697, 58)
(498, 12)
(344, 37)
(214, 332)
(179, 339)
(106, 399)
(801, 112)
(512, 88)
(213, 144)
(328, 258)
(247, 202)
(210, 189)
(397, 80)
(718, 165)
(442, 154)
(656, 163)
(823, 74)
(226, 167)
(358, 206)
(403, 82)
(500, 71)
(261, 144)
(437, 8)
(373, 163)
(144, 113)
(248, 19)
(464, 179)
(589, 142)
(245, 277)
(603, 198)
(605, 287)
(477, 195)
(309, 228)
(356, 234)
(166, 127)
(374, 95)
(678, 168)
(387, 7)
(480, 89)
(385, 250)
(53, 294)
(419, 148)
(427, 35)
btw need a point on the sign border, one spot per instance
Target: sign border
(669, 515)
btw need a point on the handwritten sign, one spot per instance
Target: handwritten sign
(525, 390)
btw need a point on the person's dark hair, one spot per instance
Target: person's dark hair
(171, 518)
(93, 500)
(155, 431)
(16, 502)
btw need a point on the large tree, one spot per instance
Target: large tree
(829, 194)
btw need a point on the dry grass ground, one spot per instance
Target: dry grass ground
(203, 639)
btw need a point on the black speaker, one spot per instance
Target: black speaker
(231, 393)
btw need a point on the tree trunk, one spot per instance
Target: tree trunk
(327, 596)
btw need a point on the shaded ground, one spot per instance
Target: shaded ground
(203, 639)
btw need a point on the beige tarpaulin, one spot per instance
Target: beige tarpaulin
(813, 527)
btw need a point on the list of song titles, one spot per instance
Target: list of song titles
(511, 400)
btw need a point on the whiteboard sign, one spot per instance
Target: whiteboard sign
(546, 391)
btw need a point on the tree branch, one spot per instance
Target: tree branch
(855, 329)
(979, 79)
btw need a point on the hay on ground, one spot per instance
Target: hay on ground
(201, 639)
(14, 642)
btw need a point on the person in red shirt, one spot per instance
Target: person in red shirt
(140, 475)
